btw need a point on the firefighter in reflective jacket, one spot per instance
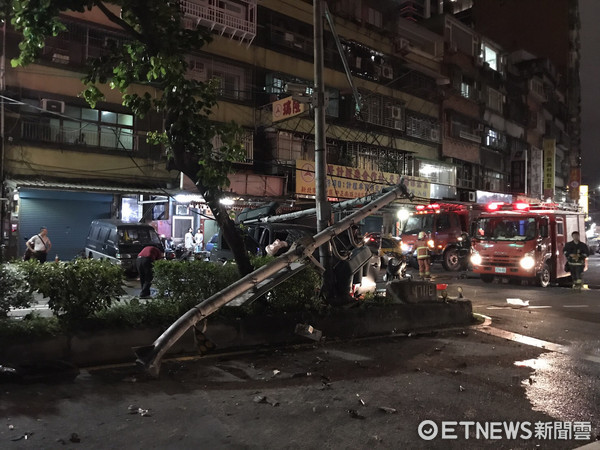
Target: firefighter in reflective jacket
(423, 256)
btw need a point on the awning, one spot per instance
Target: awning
(16, 183)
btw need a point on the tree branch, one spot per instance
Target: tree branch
(117, 20)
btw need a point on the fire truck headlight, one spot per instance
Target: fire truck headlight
(527, 262)
(430, 243)
(404, 247)
(476, 259)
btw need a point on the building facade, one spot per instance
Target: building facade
(431, 99)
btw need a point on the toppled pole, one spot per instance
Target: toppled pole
(150, 357)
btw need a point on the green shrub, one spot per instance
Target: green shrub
(32, 326)
(189, 283)
(78, 289)
(135, 314)
(15, 291)
(299, 293)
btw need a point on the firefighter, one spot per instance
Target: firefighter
(576, 253)
(423, 257)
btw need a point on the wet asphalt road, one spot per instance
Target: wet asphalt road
(534, 361)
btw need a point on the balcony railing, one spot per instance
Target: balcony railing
(117, 138)
(225, 21)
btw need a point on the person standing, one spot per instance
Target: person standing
(144, 264)
(188, 240)
(40, 245)
(423, 257)
(199, 240)
(576, 253)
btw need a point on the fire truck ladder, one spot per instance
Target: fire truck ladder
(262, 279)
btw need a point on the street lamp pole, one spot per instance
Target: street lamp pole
(323, 206)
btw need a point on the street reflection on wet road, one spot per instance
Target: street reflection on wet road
(562, 386)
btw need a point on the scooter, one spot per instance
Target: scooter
(396, 268)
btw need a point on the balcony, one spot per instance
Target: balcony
(469, 136)
(79, 137)
(236, 20)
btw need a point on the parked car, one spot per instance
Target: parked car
(120, 242)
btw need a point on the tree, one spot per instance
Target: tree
(154, 57)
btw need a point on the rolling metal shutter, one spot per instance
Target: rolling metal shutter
(67, 215)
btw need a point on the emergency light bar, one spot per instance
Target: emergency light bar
(501, 206)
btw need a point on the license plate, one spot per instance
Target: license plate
(500, 269)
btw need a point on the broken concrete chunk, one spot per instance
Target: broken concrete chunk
(308, 331)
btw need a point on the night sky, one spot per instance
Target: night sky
(590, 92)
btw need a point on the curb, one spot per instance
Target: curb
(115, 346)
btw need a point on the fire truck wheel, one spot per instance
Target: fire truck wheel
(543, 278)
(487, 278)
(451, 260)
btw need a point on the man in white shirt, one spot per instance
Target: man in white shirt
(40, 245)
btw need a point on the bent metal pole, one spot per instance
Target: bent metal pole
(150, 357)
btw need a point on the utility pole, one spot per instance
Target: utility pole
(3, 203)
(323, 206)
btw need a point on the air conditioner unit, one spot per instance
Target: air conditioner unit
(472, 196)
(181, 210)
(398, 125)
(60, 58)
(396, 112)
(56, 106)
(387, 72)
(197, 69)
(434, 135)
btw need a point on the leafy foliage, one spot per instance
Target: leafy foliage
(76, 290)
(149, 70)
(15, 291)
(188, 283)
(297, 293)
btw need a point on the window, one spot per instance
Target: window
(536, 87)
(490, 57)
(495, 100)
(422, 127)
(496, 140)
(560, 228)
(80, 127)
(233, 80)
(381, 110)
(442, 223)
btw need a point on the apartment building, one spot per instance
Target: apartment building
(433, 101)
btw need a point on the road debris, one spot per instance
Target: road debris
(75, 438)
(517, 302)
(276, 372)
(355, 415)
(23, 436)
(307, 331)
(264, 399)
(388, 410)
(360, 400)
(133, 409)
(461, 389)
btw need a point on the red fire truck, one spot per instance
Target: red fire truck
(445, 224)
(523, 241)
